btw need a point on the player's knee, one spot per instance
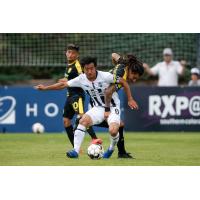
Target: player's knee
(113, 130)
(82, 121)
(67, 122)
(85, 121)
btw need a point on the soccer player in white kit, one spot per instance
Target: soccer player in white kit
(94, 83)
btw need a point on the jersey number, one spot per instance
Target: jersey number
(75, 105)
(116, 111)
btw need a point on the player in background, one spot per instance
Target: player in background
(75, 96)
(94, 83)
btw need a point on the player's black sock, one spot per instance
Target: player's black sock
(76, 123)
(70, 133)
(120, 144)
(91, 132)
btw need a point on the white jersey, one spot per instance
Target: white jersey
(167, 73)
(96, 89)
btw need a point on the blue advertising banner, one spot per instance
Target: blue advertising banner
(160, 109)
(164, 109)
(21, 107)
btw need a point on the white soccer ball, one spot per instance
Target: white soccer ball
(38, 128)
(95, 151)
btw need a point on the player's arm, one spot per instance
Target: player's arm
(131, 102)
(62, 80)
(111, 89)
(61, 85)
(108, 96)
(56, 86)
(109, 92)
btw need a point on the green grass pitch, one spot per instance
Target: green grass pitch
(149, 149)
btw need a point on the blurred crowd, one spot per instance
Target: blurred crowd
(169, 70)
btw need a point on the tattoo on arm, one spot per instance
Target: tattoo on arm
(108, 94)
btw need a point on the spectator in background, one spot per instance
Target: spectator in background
(195, 81)
(167, 71)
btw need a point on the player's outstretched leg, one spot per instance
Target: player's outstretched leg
(79, 135)
(114, 137)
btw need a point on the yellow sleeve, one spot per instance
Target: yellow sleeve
(119, 72)
(78, 67)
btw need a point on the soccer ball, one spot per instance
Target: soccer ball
(38, 128)
(95, 151)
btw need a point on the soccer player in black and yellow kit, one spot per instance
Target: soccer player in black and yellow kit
(130, 69)
(75, 96)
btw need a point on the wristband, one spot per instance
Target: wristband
(107, 109)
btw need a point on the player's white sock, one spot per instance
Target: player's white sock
(113, 141)
(78, 137)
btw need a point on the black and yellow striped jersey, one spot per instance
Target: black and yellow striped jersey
(72, 71)
(120, 71)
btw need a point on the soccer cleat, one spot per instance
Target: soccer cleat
(108, 153)
(97, 141)
(125, 155)
(72, 154)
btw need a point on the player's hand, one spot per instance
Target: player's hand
(40, 87)
(133, 104)
(106, 114)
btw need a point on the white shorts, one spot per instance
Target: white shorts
(97, 115)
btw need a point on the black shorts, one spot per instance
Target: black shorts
(73, 105)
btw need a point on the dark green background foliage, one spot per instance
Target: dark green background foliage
(48, 50)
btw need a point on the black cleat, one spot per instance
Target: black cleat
(125, 155)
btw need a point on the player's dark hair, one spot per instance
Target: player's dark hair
(133, 63)
(73, 47)
(88, 60)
